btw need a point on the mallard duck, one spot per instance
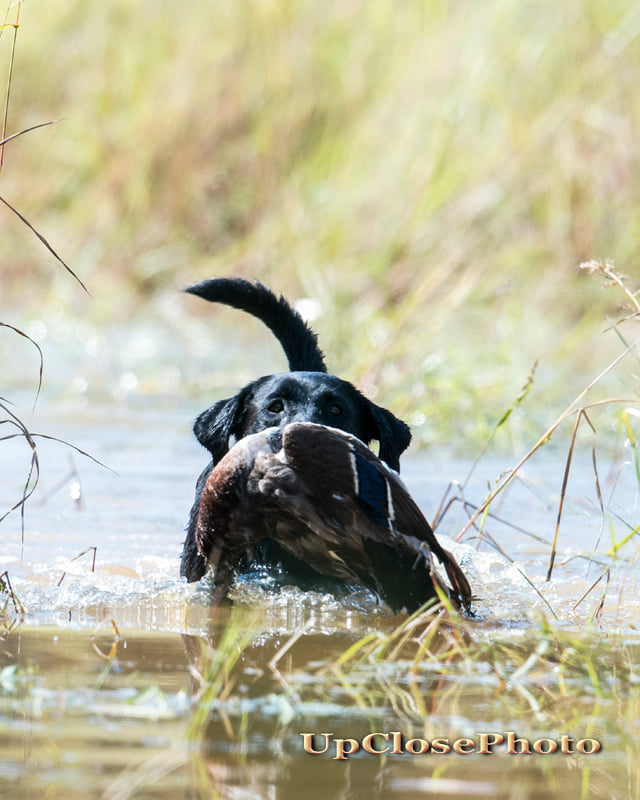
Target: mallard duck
(332, 504)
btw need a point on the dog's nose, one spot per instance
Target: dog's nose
(275, 439)
(308, 414)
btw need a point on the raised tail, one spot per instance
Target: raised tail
(298, 341)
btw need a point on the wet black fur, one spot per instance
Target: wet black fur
(305, 394)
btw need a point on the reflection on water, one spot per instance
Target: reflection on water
(84, 715)
(122, 679)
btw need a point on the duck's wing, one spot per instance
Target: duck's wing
(370, 513)
(327, 500)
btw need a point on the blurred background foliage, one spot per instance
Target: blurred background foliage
(430, 173)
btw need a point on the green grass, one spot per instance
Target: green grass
(432, 173)
(435, 676)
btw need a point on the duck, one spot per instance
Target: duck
(326, 500)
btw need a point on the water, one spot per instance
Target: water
(101, 679)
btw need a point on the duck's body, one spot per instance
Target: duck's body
(329, 503)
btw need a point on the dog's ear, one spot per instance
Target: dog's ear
(392, 433)
(215, 425)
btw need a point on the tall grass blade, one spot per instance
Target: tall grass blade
(44, 242)
(15, 27)
(37, 346)
(582, 414)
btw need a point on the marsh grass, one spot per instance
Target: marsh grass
(11, 420)
(9, 597)
(432, 175)
(11, 23)
(430, 668)
(217, 675)
(580, 411)
(20, 430)
(14, 422)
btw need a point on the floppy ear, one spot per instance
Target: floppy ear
(215, 425)
(393, 434)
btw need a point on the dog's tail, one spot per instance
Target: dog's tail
(298, 341)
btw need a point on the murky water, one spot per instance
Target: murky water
(110, 685)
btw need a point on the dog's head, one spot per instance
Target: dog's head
(277, 400)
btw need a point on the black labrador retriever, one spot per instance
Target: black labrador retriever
(306, 394)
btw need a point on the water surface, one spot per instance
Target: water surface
(110, 685)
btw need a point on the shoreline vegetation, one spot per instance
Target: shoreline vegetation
(430, 177)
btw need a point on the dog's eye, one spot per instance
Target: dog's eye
(335, 409)
(276, 407)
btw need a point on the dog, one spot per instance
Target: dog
(305, 394)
